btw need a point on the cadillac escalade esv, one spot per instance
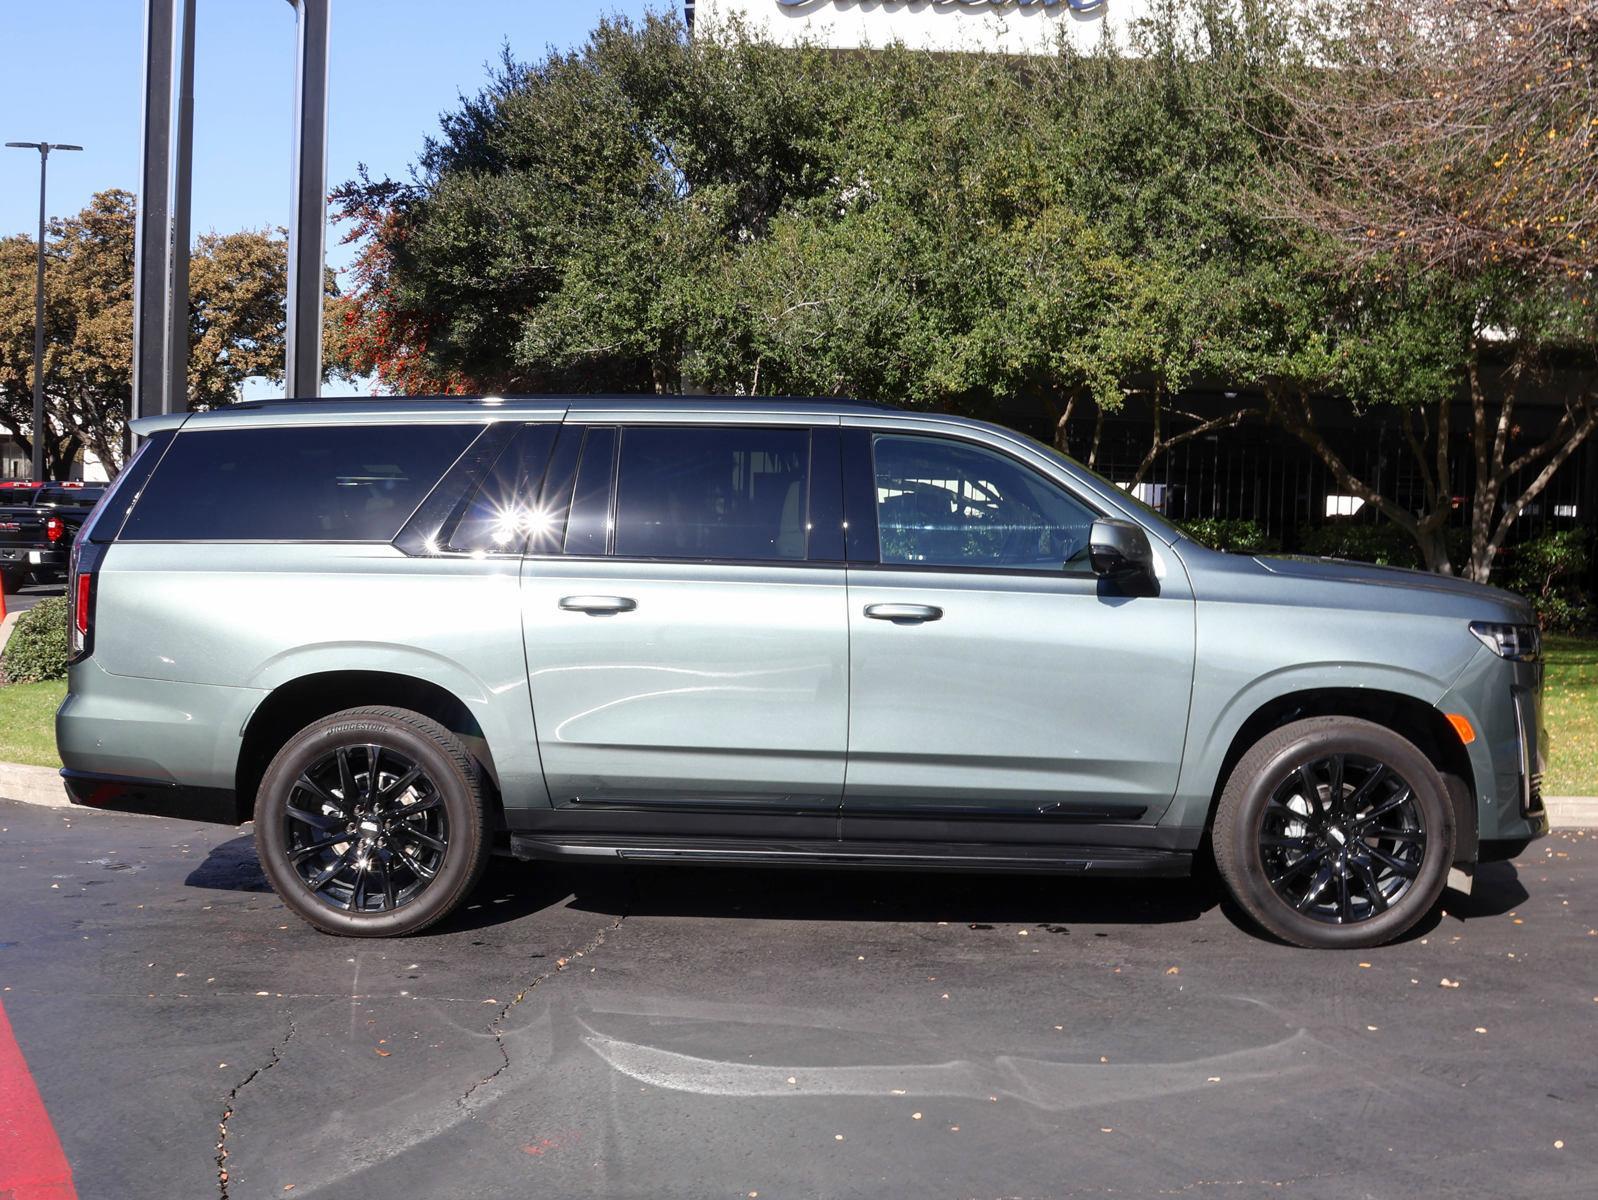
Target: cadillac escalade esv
(407, 634)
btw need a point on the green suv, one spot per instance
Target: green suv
(405, 635)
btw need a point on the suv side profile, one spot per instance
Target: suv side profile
(408, 634)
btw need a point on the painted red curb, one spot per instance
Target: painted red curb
(32, 1166)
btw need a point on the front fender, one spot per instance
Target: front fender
(1215, 722)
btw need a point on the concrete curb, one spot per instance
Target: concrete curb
(42, 785)
(1572, 812)
(7, 626)
(33, 785)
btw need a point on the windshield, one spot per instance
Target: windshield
(1152, 517)
(10, 494)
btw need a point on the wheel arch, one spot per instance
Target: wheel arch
(294, 704)
(1412, 718)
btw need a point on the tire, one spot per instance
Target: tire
(1335, 875)
(386, 865)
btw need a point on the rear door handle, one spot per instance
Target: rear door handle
(598, 604)
(911, 614)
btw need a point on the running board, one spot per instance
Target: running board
(912, 856)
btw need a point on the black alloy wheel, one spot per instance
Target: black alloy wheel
(373, 822)
(1335, 832)
(1342, 838)
(365, 828)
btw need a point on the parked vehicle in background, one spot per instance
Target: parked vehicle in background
(37, 524)
(406, 634)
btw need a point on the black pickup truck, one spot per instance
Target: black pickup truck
(37, 524)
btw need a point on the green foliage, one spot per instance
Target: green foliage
(1552, 571)
(1385, 544)
(995, 235)
(237, 284)
(1238, 535)
(38, 646)
(949, 231)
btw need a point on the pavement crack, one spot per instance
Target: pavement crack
(497, 1025)
(276, 1056)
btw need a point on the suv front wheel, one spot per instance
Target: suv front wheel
(1335, 832)
(373, 822)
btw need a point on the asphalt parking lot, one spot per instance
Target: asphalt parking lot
(697, 1033)
(29, 594)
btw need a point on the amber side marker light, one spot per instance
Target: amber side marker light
(1462, 727)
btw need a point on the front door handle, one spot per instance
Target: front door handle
(909, 614)
(598, 604)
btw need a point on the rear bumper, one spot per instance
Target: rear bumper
(33, 556)
(153, 797)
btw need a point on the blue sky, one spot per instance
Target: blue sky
(73, 74)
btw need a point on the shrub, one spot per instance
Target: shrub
(38, 646)
(1385, 544)
(1237, 534)
(1550, 571)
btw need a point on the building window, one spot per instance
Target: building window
(1343, 506)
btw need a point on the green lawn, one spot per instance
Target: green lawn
(27, 712)
(1570, 707)
(27, 722)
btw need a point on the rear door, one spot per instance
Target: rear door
(999, 689)
(687, 641)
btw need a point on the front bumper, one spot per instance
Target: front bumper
(153, 797)
(1503, 702)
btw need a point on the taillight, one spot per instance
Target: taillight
(54, 527)
(80, 610)
(82, 573)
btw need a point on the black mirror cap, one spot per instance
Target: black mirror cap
(1120, 550)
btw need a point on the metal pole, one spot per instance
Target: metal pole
(308, 214)
(38, 329)
(175, 385)
(39, 426)
(152, 278)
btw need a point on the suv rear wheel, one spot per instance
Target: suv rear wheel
(373, 822)
(1335, 832)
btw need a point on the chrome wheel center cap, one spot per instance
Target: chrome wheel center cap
(1338, 836)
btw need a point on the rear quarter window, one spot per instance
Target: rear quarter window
(306, 483)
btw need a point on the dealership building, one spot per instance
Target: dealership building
(1010, 26)
(1253, 471)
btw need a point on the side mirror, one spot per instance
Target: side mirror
(1120, 550)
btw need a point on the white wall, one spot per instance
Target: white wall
(1012, 26)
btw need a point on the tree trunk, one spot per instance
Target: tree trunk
(1061, 426)
(1160, 444)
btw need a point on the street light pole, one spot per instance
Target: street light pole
(44, 149)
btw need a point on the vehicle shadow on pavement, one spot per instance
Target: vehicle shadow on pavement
(900, 896)
(511, 890)
(230, 867)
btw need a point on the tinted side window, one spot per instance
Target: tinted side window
(952, 504)
(501, 511)
(299, 483)
(707, 492)
(588, 526)
(106, 520)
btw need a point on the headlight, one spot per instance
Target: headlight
(1517, 642)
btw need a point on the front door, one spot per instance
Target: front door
(996, 683)
(687, 647)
